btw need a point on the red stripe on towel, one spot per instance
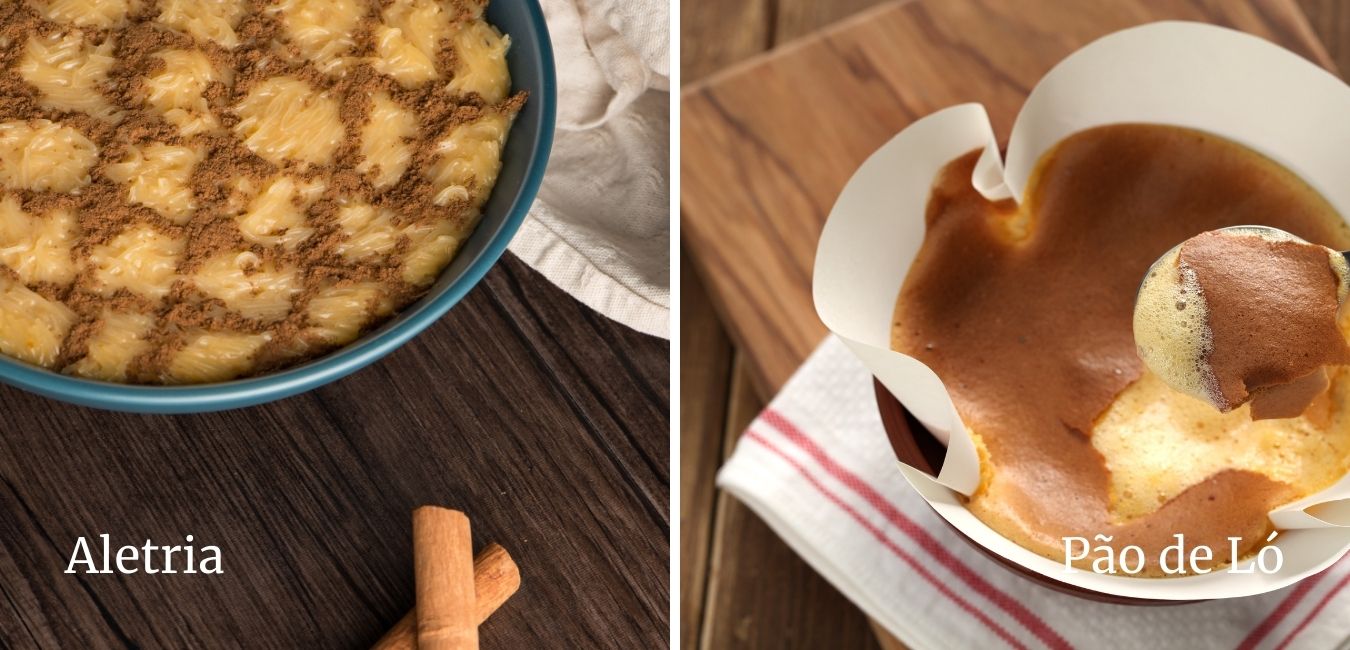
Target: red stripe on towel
(1276, 616)
(1315, 611)
(890, 545)
(1016, 610)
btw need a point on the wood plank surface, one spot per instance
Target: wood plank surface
(751, 569)
(768, 145)
(796, 18)
(718, 34)
(705, 386)
(541, 419)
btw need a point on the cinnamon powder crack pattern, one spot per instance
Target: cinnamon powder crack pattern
(194, 192)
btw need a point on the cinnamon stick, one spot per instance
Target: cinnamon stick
(443, 566)
(495, 578)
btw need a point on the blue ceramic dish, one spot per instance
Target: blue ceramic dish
(523, 160)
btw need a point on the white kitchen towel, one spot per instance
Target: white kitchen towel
(600, 229)
(817, 467)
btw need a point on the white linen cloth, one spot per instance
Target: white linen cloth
(817, 467)
(600, 229)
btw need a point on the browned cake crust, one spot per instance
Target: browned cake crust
(1272, 319)
(1033, 336)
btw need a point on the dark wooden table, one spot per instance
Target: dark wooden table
(742, 586)
(543, 420)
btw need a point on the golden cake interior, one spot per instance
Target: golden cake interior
(199, 191)
(1025, 312)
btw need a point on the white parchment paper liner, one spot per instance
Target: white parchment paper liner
(1185, 74)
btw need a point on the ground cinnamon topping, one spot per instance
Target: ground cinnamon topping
(105, 211)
